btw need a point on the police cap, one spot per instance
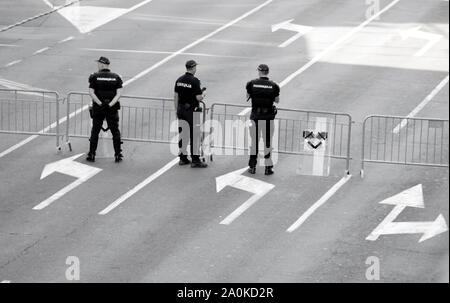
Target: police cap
(191, 64)
(263, 68)
(103, 60)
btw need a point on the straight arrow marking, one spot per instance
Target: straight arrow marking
(236, 180)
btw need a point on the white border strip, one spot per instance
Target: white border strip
(422, 104)
(318, 204)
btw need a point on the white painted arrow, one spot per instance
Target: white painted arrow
(288, 25)
(68, 167)
(412, 197)
(236, 180)
(418, 34)
(88, 18)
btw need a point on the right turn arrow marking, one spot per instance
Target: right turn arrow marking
(412, 197)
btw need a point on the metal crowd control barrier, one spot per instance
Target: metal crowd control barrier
(291, 124)
(142, 119)
(403, 140)
(30, 112)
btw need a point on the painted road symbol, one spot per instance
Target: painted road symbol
(288, 25)
(68, 167)
(418, 34)
(316, 160)
(314, 139)
(88, 18)
(236, 180)
(412, 197)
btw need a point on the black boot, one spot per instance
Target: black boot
(90, 157)
(197, 163)
(118, 158)
(184, 160)
(269, 171)
(252, 170)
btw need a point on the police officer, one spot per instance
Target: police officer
(263, 93)
(105, 89)
(188, 94)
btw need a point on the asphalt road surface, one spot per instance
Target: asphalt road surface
(173, 224)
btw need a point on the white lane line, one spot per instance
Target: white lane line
(8, 45)
(138, 187)
(136, 6)
(159, 53)
(13, 63)
(177, 19)
(337, 44)
(66, 40)
(18, 145)
(20, 86)
(318, 204)
(245, 111)
(41, 50)
(422, 104)
(5, 281)
(195, 43)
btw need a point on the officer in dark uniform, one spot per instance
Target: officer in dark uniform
(188, 94)
(263, 93)
(105, 89)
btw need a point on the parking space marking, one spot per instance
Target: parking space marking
(138, 187)
(422, 104)
(319, 203)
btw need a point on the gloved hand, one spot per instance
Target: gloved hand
(104, 107)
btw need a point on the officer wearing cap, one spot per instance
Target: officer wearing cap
(105, 89)
(263, 93)
(187, 97)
